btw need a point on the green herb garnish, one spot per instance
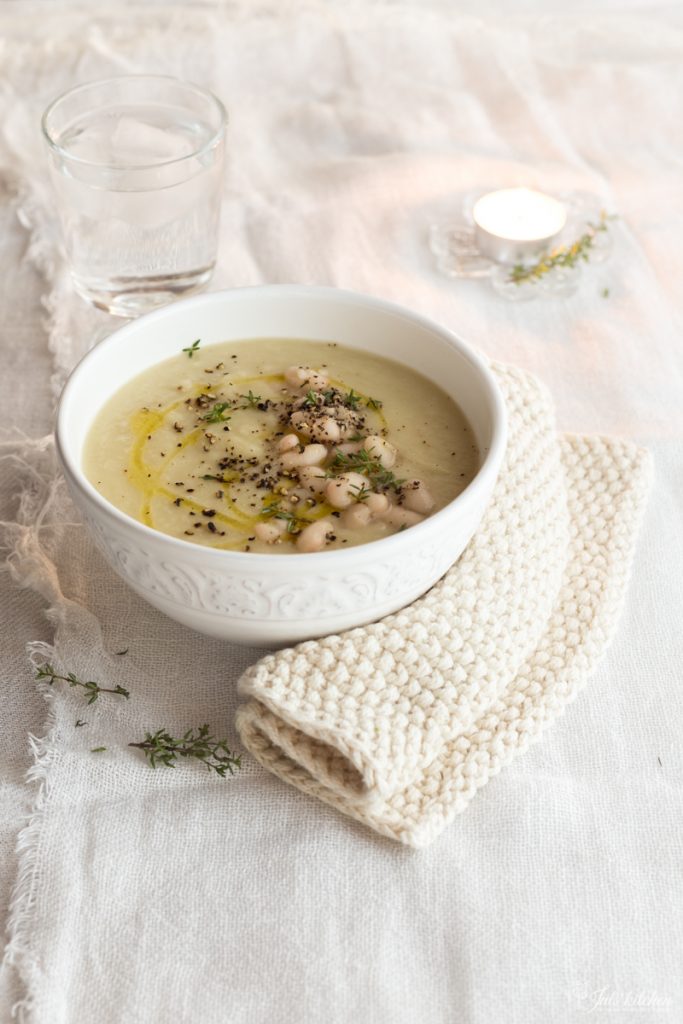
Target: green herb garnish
(311, 399)
(274, 511)
(563, 256)
(93, 689)
(160, 748)
(217, 414)
(251, 400)
(361, 493)
(352, 400)
(191, 349)
(363, 462)
(374, 403)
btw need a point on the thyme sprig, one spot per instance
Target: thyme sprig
(92, 689)
(162, 749)
(191, 349)
(363, 462)
(333, 396)
(312, 399)
(562, 256)
(251, 400)
(273, 510)
(361, 493)
(217, 414)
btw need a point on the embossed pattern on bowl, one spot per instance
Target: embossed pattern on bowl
(275, 599)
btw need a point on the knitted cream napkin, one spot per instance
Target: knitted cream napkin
(399, 723)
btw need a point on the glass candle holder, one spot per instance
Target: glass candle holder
(467, 247)
(137, 167)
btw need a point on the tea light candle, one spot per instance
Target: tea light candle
(514, 225)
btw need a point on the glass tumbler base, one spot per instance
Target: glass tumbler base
(130, 297)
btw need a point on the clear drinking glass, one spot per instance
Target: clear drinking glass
(137, 166)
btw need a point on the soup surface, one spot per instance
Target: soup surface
(278, 445)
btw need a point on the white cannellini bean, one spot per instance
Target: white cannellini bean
(296, 375)
(381, 450)
(312, 537)
(304, 376)
(312, 455)
(313, 478)
(349, 447)
(344, 489)
(377, 503)
(300, 421)
(325, 429)
(316, 380)
(287, 442)
(416, 497)
(397, 516)
(267, 532)
(356, 516)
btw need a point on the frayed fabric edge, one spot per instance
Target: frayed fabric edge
(19, 962)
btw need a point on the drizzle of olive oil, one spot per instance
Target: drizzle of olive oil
(145, 423)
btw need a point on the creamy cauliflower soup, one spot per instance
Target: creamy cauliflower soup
(276, 446)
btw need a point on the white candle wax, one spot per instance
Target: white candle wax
(516, 224)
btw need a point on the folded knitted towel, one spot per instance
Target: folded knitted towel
(399, 723)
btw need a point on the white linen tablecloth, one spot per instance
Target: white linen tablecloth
(557, 895)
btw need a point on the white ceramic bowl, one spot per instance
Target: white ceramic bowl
(266, 599)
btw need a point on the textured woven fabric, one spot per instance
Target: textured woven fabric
(400, 722)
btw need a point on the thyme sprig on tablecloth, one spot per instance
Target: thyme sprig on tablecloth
(160, 748)
(562, 256)
(92, 689)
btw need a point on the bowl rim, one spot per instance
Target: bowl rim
(487, 472)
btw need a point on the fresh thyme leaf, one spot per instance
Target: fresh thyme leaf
(250, 399)
(120, 653)
(352, 400)
(160, 748)
(563, 256)
(191, 349)
(374, 403)
(92, 689)
(273, 511)
(217, 414)
(97, 750)
(79, 722)
(361, 492)
(311, 399)
(605, 293)
(363, 462)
